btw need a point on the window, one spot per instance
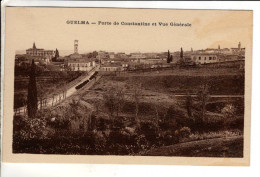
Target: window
(199, 58)
(205, 58)
(210, 58)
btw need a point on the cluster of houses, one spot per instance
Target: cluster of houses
(121, 61)
(110, 61)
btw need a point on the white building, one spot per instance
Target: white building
(204, 58)
(81, 64)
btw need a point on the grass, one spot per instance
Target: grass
(211, 135)
(218, 85)
(217, 147)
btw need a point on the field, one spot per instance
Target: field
(172, 112)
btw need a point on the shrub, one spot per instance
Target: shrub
(229, 110)
(149, 130)
(184, 132)
(33, 129)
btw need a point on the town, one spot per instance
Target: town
(140, 103)
(111, 61)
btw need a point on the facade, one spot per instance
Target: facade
(40, 54)
(81, 64)
(204, 58)
(112, 67)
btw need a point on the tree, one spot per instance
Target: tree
(189, 105)
(181, 57)
(120, 99)
(203, 96)
(169, 57)
(57, 54)
(137, 90)
(32, 103)
(114, 100)
(110, 101)
(181, 54)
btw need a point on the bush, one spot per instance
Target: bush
(30, 128)
(150, 131)
(184, 132)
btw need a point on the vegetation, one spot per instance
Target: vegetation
(48, 83)
(140, 115)
(169, 57)
(32, 103)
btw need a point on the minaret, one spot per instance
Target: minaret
(76, 46)
(218, 47)
(239, 46)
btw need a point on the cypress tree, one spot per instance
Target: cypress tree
(57, 54)
(181, 54)
(32, 103)
(169, 57)
(182, 62)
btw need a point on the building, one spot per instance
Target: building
(204, 58)
(41, 54)
(151, 55)
(136, 56)
(78, 62)
(112, 67)
(238, 51)
(103, 55)
(111, 55)
(153, 61)
(81, 64)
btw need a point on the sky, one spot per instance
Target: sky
(48, 28)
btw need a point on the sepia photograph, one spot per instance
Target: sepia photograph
(128, 82)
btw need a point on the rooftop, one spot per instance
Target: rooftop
(83, 60)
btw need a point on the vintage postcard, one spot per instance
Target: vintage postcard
(127, 86)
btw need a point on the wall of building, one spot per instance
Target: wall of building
(111, 68)
(203, 59)
(74, 66)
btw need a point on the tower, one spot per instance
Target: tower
(239, 46)
(218, 47)
(76, 46)
(34, 46)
